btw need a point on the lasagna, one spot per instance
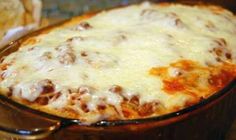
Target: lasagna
(131, 62)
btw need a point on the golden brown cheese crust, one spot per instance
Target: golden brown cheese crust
(177, 80)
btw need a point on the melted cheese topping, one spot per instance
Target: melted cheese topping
(133, 62)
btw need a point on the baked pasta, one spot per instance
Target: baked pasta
(131, 62)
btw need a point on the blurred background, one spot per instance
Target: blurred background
(56, 10)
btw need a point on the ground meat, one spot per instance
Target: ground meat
(147, 109)
(221, 50)
(45, 99)
(47, 86)
(84, 107)
(42, 100)
(134, 100)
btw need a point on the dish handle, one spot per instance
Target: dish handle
(18, 123)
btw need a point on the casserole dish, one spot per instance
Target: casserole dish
(152, 128)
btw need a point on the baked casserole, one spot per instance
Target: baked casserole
(131, 62)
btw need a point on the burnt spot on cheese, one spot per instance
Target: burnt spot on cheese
(228, 55)
(85, 25)
(148, 13)
(98, 60)
(83, 53)
(220, 50)
(218, 59)
(210, 26)
(31, 48)
(120, 91)
(116, 89)
(176, 19)
(122, 37)
(82, 26)
(178, 22)
(221, 42)
(76, 38)
(46, 56)
(170, 18)
(85, 89)
(119, 38)
(67, 58)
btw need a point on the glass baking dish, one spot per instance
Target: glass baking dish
(209, 119)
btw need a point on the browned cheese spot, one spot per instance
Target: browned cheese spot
(116, 89)
(46, 56)
(83, 26)
(76, 38)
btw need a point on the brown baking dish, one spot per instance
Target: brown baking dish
(210, 119)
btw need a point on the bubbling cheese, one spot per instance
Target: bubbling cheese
(133, 62)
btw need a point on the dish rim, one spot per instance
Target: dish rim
(106, 123)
